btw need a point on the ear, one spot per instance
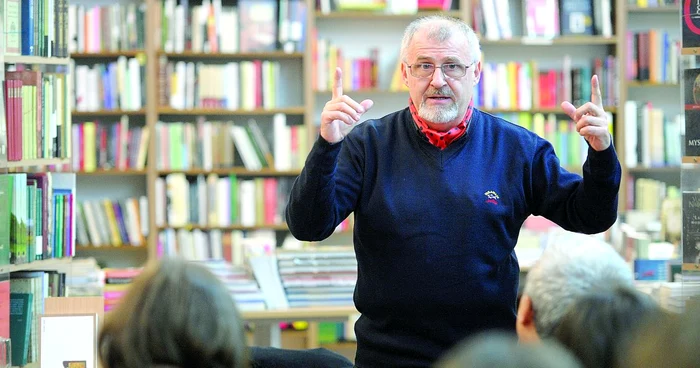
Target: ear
(404, 74)
(477, 72)
(525, 322)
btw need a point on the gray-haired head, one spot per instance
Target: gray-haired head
(572, 266)
(440, 29)
(499, 349)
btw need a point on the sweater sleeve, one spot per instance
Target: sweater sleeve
(585, 204)
(326, 191)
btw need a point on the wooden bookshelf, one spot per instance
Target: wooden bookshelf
(654, 170)
(558, 41)
(110, 248)
(45, 264)
(237, 56)
(690, 51)
(691, 160)
(76, 113)
(638, 84)
(226, 228)
(372, 15)
(239, 171)
(206, 111)
(654, 9)
(106, 54)
(36, 60)
(113, 172)
(34, 162)
(544, 110)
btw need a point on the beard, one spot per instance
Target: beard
(438, 114)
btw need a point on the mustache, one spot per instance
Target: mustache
(446, 92)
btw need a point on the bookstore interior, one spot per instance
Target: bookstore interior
(136, 130)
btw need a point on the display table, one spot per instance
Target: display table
(267, 322)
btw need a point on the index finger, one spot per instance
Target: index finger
(338, 83)
(596, 96)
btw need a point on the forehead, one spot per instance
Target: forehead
(422, 46)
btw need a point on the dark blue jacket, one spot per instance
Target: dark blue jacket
(435, 230)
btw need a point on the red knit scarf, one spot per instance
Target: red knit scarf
(437, 138)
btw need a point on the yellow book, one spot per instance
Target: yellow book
(112, 220)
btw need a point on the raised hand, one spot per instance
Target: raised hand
(341, 113)
(591, 120)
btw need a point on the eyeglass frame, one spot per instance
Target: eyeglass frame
(466, 69)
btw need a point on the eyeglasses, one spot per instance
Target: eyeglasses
(426, 70)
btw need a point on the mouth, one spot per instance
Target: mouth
(439, 98)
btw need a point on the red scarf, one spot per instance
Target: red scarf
(437, 138)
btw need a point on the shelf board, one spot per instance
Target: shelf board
(646, 84)
(112, 248)
(690, 159)
(690, 51)
(359, 14)
(238, 55)
(112, 172)
(225, 228)
(39, 60)
(365, 90)
(240, 171)
(544, 110)
(36, 265)
(558, 41)
(106, 54)
(34, 162)
(655, 9)
(208, 111)
(108, 112)
(655, 170)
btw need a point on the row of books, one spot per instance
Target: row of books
(116, 284)
(524, 86)
(358, 73)
(37, 216)
(106, 28)
(251, 26)
(648, 194)
(36, 115)
(653, 56)
(35, 27)
(111, 86)
(650, 4)
(543, 19)
(21, 303)
(246, 84)
(210, 144)
(215, 200)
(110, 222)
(652, 137)
(568, 144)
(109, 145)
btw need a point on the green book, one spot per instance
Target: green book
(6, 200)
(20, 326)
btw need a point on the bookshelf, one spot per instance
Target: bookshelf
(302, 104)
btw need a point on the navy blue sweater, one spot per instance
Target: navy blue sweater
(435, 230)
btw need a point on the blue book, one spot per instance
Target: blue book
(28, 27)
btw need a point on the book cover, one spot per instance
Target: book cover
(690, 23)
(20, 326)
(691, 97)
(576, 17)
(691, 227)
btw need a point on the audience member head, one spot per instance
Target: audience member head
(498, 349)
(175, 314)
(570, 267)
(598, 327)
(670, 341)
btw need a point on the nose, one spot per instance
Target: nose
(438, 79)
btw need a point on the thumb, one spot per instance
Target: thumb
(367, 104)
(569, 109)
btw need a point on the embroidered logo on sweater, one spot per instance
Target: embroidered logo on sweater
(491, 197)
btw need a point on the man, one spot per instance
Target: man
(439, 191)
(573, 266)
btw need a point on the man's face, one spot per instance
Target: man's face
(440, 99)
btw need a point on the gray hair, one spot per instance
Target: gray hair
(573, 265)
(441, 28)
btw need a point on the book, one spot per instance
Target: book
(690, 23)
(691, 92)
(691, 227)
